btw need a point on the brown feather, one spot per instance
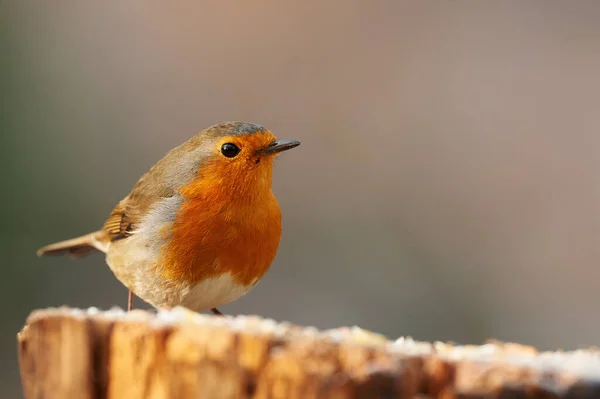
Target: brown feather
(177, 168)
(75, 247)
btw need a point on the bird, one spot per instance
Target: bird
(198, 230)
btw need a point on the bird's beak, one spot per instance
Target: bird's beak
(278, 146)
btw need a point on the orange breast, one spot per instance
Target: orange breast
(216, 232)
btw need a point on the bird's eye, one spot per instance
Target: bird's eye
(230, 150)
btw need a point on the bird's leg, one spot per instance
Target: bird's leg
(130, 302)
(216, 312)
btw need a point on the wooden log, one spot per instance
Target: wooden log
(71, 353)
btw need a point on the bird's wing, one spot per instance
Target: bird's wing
(128, 213)
(120, 221)
(176, 168)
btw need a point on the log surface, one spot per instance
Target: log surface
(71, 353)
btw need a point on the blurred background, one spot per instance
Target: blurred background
(447, 186)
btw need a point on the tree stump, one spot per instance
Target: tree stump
(71, 353)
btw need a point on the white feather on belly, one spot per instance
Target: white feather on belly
(212, 292)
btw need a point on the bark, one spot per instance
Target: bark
(70, 353)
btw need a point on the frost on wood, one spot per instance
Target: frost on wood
(71, 353)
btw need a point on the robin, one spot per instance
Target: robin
(201, 227)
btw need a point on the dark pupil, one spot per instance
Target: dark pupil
(229, 150)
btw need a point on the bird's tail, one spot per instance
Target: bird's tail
(77, 247)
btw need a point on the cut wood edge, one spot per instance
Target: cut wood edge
(66, 352)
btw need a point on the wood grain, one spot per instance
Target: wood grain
(71, 353)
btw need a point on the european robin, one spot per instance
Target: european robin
(201, 227)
